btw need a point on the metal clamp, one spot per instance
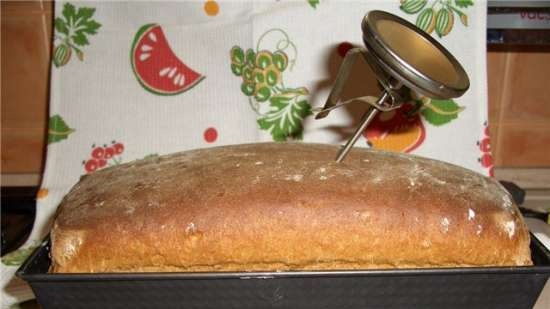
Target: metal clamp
(389, 99)
(388, 39)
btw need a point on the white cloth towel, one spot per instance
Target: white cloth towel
(132, 79)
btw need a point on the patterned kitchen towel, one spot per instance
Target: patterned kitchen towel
(137, 79)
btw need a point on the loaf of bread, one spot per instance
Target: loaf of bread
(285, 206)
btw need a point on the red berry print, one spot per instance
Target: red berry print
(210, 135)
(486, 160)
(91, 165)
(119, 148)
(98, 153)
(101, 163)
(343, 48)
(104, 156)
(109, 152)
(485, 145)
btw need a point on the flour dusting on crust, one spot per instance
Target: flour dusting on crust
(510, 228)
(445, 222)
(471, 214)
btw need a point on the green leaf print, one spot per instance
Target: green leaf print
(80, 39)
(17, 257)
(72, 30)
(313, 3)
(440, 112)
(287, 111)
(68, 11)
(464, 3)
(58, 130)
(82, 25)
(60, 26)
(151, 156)
(84, 13)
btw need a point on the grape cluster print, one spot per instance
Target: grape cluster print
(281, 109)
(438, 15)
(260, 72)
(102, 156)
(72, 29)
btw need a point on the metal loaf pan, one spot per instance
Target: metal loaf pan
(484, 287)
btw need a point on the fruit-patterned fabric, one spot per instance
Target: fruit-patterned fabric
(136, 79)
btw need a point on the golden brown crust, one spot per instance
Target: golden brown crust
(285, 207)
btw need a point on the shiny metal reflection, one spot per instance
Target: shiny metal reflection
(402, 56)
(413, 57)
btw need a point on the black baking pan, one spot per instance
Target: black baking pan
(483, 287)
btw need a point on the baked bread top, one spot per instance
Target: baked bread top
(285, 206)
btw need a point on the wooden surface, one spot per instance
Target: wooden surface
(519, 106)
(26, 33)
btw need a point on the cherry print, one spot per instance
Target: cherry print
(486, 160)
(91, 165)
(210, 135)
(119, 148)
(109, 152)
(485, 145)
(101, 163)
(98, 152)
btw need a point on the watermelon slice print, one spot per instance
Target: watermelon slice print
(156, 66)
